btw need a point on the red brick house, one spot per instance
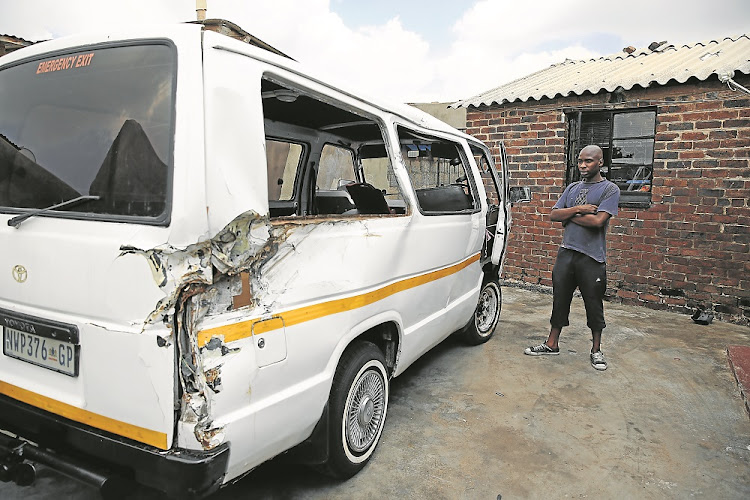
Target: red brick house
(674, 124)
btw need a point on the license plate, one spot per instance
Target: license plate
(51, 345)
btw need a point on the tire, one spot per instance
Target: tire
(358, 403)
(482, 325)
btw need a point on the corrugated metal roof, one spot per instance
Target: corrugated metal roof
(642, 67)
(13, 39)
(9, 43)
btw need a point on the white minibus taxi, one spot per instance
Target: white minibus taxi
(211, 256)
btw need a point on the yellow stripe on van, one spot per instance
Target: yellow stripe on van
(267, 325)
(146, 436)
(244, 329)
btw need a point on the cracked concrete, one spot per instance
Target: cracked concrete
(666, 420)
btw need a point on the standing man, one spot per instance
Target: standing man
(584, 210)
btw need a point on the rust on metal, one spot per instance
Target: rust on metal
(244, 298)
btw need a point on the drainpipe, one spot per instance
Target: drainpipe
(200, 9)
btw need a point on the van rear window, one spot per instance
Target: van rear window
(95, 122)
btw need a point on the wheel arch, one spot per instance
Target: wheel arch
(385, 332)
(386, 337)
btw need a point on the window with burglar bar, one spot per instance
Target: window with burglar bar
(627, 141)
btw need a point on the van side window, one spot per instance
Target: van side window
(336, 167)
(439, 174)
(324, 158)
(283, 161)
(335, 172)
(378, 171)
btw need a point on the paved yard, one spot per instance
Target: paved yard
(664, 421)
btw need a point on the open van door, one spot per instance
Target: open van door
(498, 202)
(498, 255)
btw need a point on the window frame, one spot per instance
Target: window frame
(465, 164)
(575, 119)
(316, 137)
(300, 162)
(163, 219)
(353, 155)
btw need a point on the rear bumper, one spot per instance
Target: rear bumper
(177, 472)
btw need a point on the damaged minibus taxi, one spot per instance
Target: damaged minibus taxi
(211, 257)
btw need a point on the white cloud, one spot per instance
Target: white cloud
(512, 25)
(44, 19)
(499, 40)
(686, 21)
(384, 60)
(494, 41)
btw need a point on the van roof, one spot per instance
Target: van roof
(256, 48)
(411, 113)
(228, 28)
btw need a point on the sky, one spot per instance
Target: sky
(413, 50)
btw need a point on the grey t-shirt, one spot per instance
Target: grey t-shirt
(589, 240)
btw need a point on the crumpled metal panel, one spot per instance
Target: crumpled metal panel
(643, 67)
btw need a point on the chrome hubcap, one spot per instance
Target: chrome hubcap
(364, 415)
(366, 411)
(486, 310)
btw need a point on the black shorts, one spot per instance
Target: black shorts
(576, 270)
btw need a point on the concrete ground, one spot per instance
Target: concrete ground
(666, 420)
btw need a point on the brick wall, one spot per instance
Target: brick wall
(691, 247)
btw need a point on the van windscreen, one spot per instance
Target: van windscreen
(92, 122)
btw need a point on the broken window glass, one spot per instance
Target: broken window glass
(324, 158)
(633, 151)
(377, 170)
(336, 167)
(283, 161)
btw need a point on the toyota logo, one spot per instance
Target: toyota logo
(19, 273)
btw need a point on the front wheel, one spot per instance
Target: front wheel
(482, 325)
(358, 402)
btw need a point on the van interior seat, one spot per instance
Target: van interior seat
(368, 199)
(332, 202)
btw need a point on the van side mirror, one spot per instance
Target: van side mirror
(520, 194)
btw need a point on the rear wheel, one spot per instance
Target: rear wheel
(482, 325)
(358, 402)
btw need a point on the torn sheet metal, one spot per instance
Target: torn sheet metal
(173, 269)
(195, 382)
(244, 244)
(205, 278)
(209, 436)
(208, 278)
